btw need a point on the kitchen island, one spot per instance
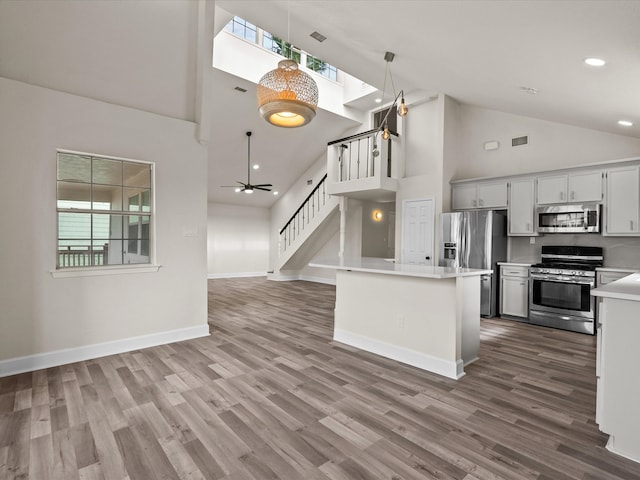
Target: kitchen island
(618, 384)
(428, 317)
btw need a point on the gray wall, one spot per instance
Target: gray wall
(618, 251)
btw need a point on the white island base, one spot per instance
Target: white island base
(427, 317)
(618, 394)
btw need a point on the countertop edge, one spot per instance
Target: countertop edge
(627, 288)
(453, 274)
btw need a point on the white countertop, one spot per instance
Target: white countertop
(618, 269)
(514, 264)
(380, 265)
(627, 288)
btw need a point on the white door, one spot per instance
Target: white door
(417, 232)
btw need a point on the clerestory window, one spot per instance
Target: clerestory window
(104, 211)
(243, 29)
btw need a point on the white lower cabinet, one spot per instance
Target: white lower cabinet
(514, 290)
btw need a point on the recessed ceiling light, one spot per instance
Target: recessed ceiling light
(378, 100)
(625, 123)
(256, 166)
(275, 193)
(529, 90)
(594, 62)
(238, 190)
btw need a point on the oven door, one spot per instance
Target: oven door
(562, 295)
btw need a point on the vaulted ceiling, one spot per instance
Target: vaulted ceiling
(479, 52)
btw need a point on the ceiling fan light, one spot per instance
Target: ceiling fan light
(248, 190)
(287, 97)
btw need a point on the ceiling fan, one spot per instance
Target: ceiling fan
(248, 187)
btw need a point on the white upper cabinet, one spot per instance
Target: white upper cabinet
(575, 187)
(552, 189)
(520, 215)
(479, 195)
(622, 203)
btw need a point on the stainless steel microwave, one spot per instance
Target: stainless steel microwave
(569, 218)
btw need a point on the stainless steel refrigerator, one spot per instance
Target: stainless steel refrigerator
(476, 239)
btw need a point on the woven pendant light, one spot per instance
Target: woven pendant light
(287, 96)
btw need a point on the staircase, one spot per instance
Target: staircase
(315, 211)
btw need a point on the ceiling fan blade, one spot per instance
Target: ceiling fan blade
(261, 188)
(263, 185)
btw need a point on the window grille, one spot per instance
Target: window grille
(104, 211)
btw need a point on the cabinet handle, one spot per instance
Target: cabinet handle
(561, 195)
(481, 202)
(573, 195)
(631, 224)
(521, 283)
(474, 203)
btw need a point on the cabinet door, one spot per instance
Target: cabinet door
(464, 196)
(585, 187)
(552, 189)
(492, 195)
(521, 208)
(622, 206)
(514, 296)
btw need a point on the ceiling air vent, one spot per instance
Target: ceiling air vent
(515, 142)
(318, 36)
(240, 89)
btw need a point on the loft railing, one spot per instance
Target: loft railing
(77, 256)
(357, 155)
(306, 212)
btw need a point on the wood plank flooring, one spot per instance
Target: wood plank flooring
(269, 395)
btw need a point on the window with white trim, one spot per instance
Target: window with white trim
(104, 211)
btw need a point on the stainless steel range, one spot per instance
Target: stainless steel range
(560, 287)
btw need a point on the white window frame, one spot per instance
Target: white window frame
(99, 270)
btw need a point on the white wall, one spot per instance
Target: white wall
(40, 314)
(141, 54)
(375, 234)
(551, 145)
(237, 240)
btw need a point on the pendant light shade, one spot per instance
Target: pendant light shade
(287, 97)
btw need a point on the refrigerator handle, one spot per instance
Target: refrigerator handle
(464, 242)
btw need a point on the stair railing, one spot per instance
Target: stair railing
(357, 155)
(306, 212)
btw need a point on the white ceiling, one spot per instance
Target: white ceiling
(142, 54)
(478, 52)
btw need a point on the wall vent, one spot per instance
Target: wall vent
(515, 142)
(240, 89)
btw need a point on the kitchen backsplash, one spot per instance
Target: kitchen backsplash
(618, 251)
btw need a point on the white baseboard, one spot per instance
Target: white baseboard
(38, 361)
(236, 275)
(283, 278)
(440, 366)
(308, 278)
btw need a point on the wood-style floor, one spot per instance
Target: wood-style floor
(269, 395)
